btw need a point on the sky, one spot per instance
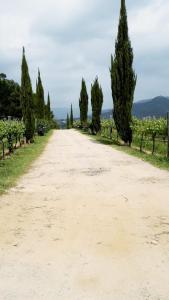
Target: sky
(71, 39)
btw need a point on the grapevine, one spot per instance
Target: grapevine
(10, 132)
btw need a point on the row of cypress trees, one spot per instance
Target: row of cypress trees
(123, 83)
(96, 103)
(33, 104)
(42, 110)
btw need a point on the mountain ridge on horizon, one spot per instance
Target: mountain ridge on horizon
(154, 107)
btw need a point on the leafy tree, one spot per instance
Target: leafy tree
(27, 100)
(10, 104)
(123, 79)
(2, 76)
(71, 116)
(68, 122)
(40, 102)
(97, 102)
(83, 104)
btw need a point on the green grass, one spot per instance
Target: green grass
(15, 166)
(156, 160)
(160, 146)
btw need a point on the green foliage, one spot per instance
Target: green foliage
(9, 98)
(146, 127)
(68, 122)
(48, 114)
(30, 125)
(11, 169)
(97, 102)
(27, 101)
(40, 102)
(123, 79)
(11, 127)
(158, 161)
(43, 113)
(150, 127)
(11, 131)
(148, 134)
(71, 116)
(107, 123)
(46, 124)
(83, 104)
(77, 124)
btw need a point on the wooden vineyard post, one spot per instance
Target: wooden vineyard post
(168, 134)
(141, 143)
(3, 150)
(111, 132)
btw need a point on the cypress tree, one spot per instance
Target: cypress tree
(48, 109)
(40, 102)
(27, 100)
(71, 116)
(35, 101)
(68, 122)
(123, 79)
(97, 102)
(83, 104)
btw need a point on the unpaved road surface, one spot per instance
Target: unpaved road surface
(85, 223)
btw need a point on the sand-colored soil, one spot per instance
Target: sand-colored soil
(85, 223)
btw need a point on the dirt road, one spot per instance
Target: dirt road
(86, 223)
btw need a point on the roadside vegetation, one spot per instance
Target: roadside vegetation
(26, 121)
(16, 165)
(148, 138)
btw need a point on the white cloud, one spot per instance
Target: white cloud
(69, 39)
(149, 26)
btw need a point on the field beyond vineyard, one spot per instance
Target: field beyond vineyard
(86, 222)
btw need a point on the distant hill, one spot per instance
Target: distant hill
(61, 113)
(156, 107)
(107, 113)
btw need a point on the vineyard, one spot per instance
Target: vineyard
(11, 136)
(149, 135)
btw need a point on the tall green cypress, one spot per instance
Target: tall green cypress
(71, 116)
(27, 100)
(40, 102)
(35, 101)
(83, 104)
(123, 79)
(68, 122)
(48, 109)
(97, 102)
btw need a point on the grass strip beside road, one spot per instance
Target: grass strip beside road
(155, 160)
(13, 167)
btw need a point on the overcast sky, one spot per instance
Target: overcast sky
(68, 39)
